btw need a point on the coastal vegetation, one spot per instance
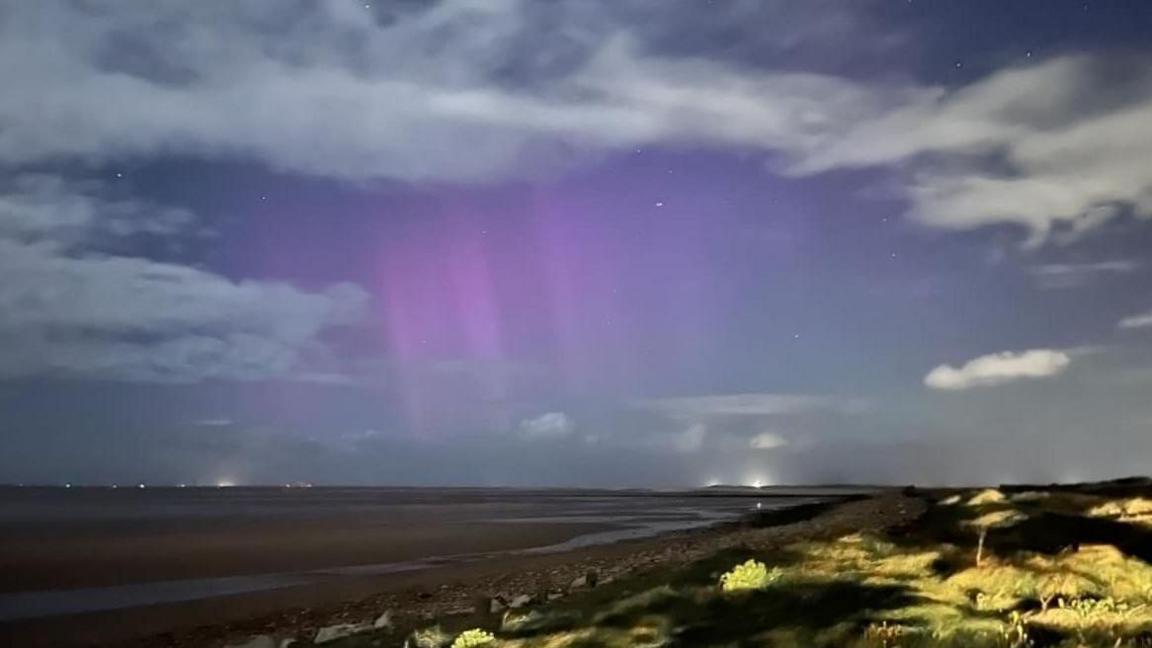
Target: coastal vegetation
(991, 568)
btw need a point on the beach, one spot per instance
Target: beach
(102, 565)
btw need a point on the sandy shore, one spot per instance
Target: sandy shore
(48, 560)
(437, 591)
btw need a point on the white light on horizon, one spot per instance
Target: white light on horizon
(225, 483)
(757, 481)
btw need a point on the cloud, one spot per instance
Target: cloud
(38, 207)
(348, 93)
(998, 369)
(738, 421)
(767, 441)
(220, 422)
(68, 307)
(1057, 276)
(1069, 133)
(341, 90)
(1143, 320)
(547, 427)
(698, 407)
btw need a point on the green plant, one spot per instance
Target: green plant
(1015, 633)
(472, 638)
(750, 575)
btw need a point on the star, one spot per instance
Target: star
(119, 174)
(959, 65)
(659, 204)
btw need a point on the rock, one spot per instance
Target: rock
(259, 641)
(589, 579)
(383, 621)
(432, 637)
(520, 622)
(339, 631)
(287, 642)
(496, 605)
(552, 596)
(520, 601)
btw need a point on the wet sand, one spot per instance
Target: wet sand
(86, 558)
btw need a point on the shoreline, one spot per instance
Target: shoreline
(442, 590)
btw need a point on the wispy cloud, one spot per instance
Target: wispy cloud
(758, 405)
(547, 427)
(68, 307)
(1057, 276)
(1141, 321)
(767, 441)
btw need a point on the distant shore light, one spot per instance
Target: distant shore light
(756, 481)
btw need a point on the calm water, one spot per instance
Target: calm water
(36, 506)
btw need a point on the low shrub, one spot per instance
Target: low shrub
(751, 575)
(473, 638)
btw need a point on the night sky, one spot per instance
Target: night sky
(575, 242)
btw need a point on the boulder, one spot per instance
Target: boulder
(383, 621)
(520, 601)
(339, 631)
(496, 605)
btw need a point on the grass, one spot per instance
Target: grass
(1060, 568)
